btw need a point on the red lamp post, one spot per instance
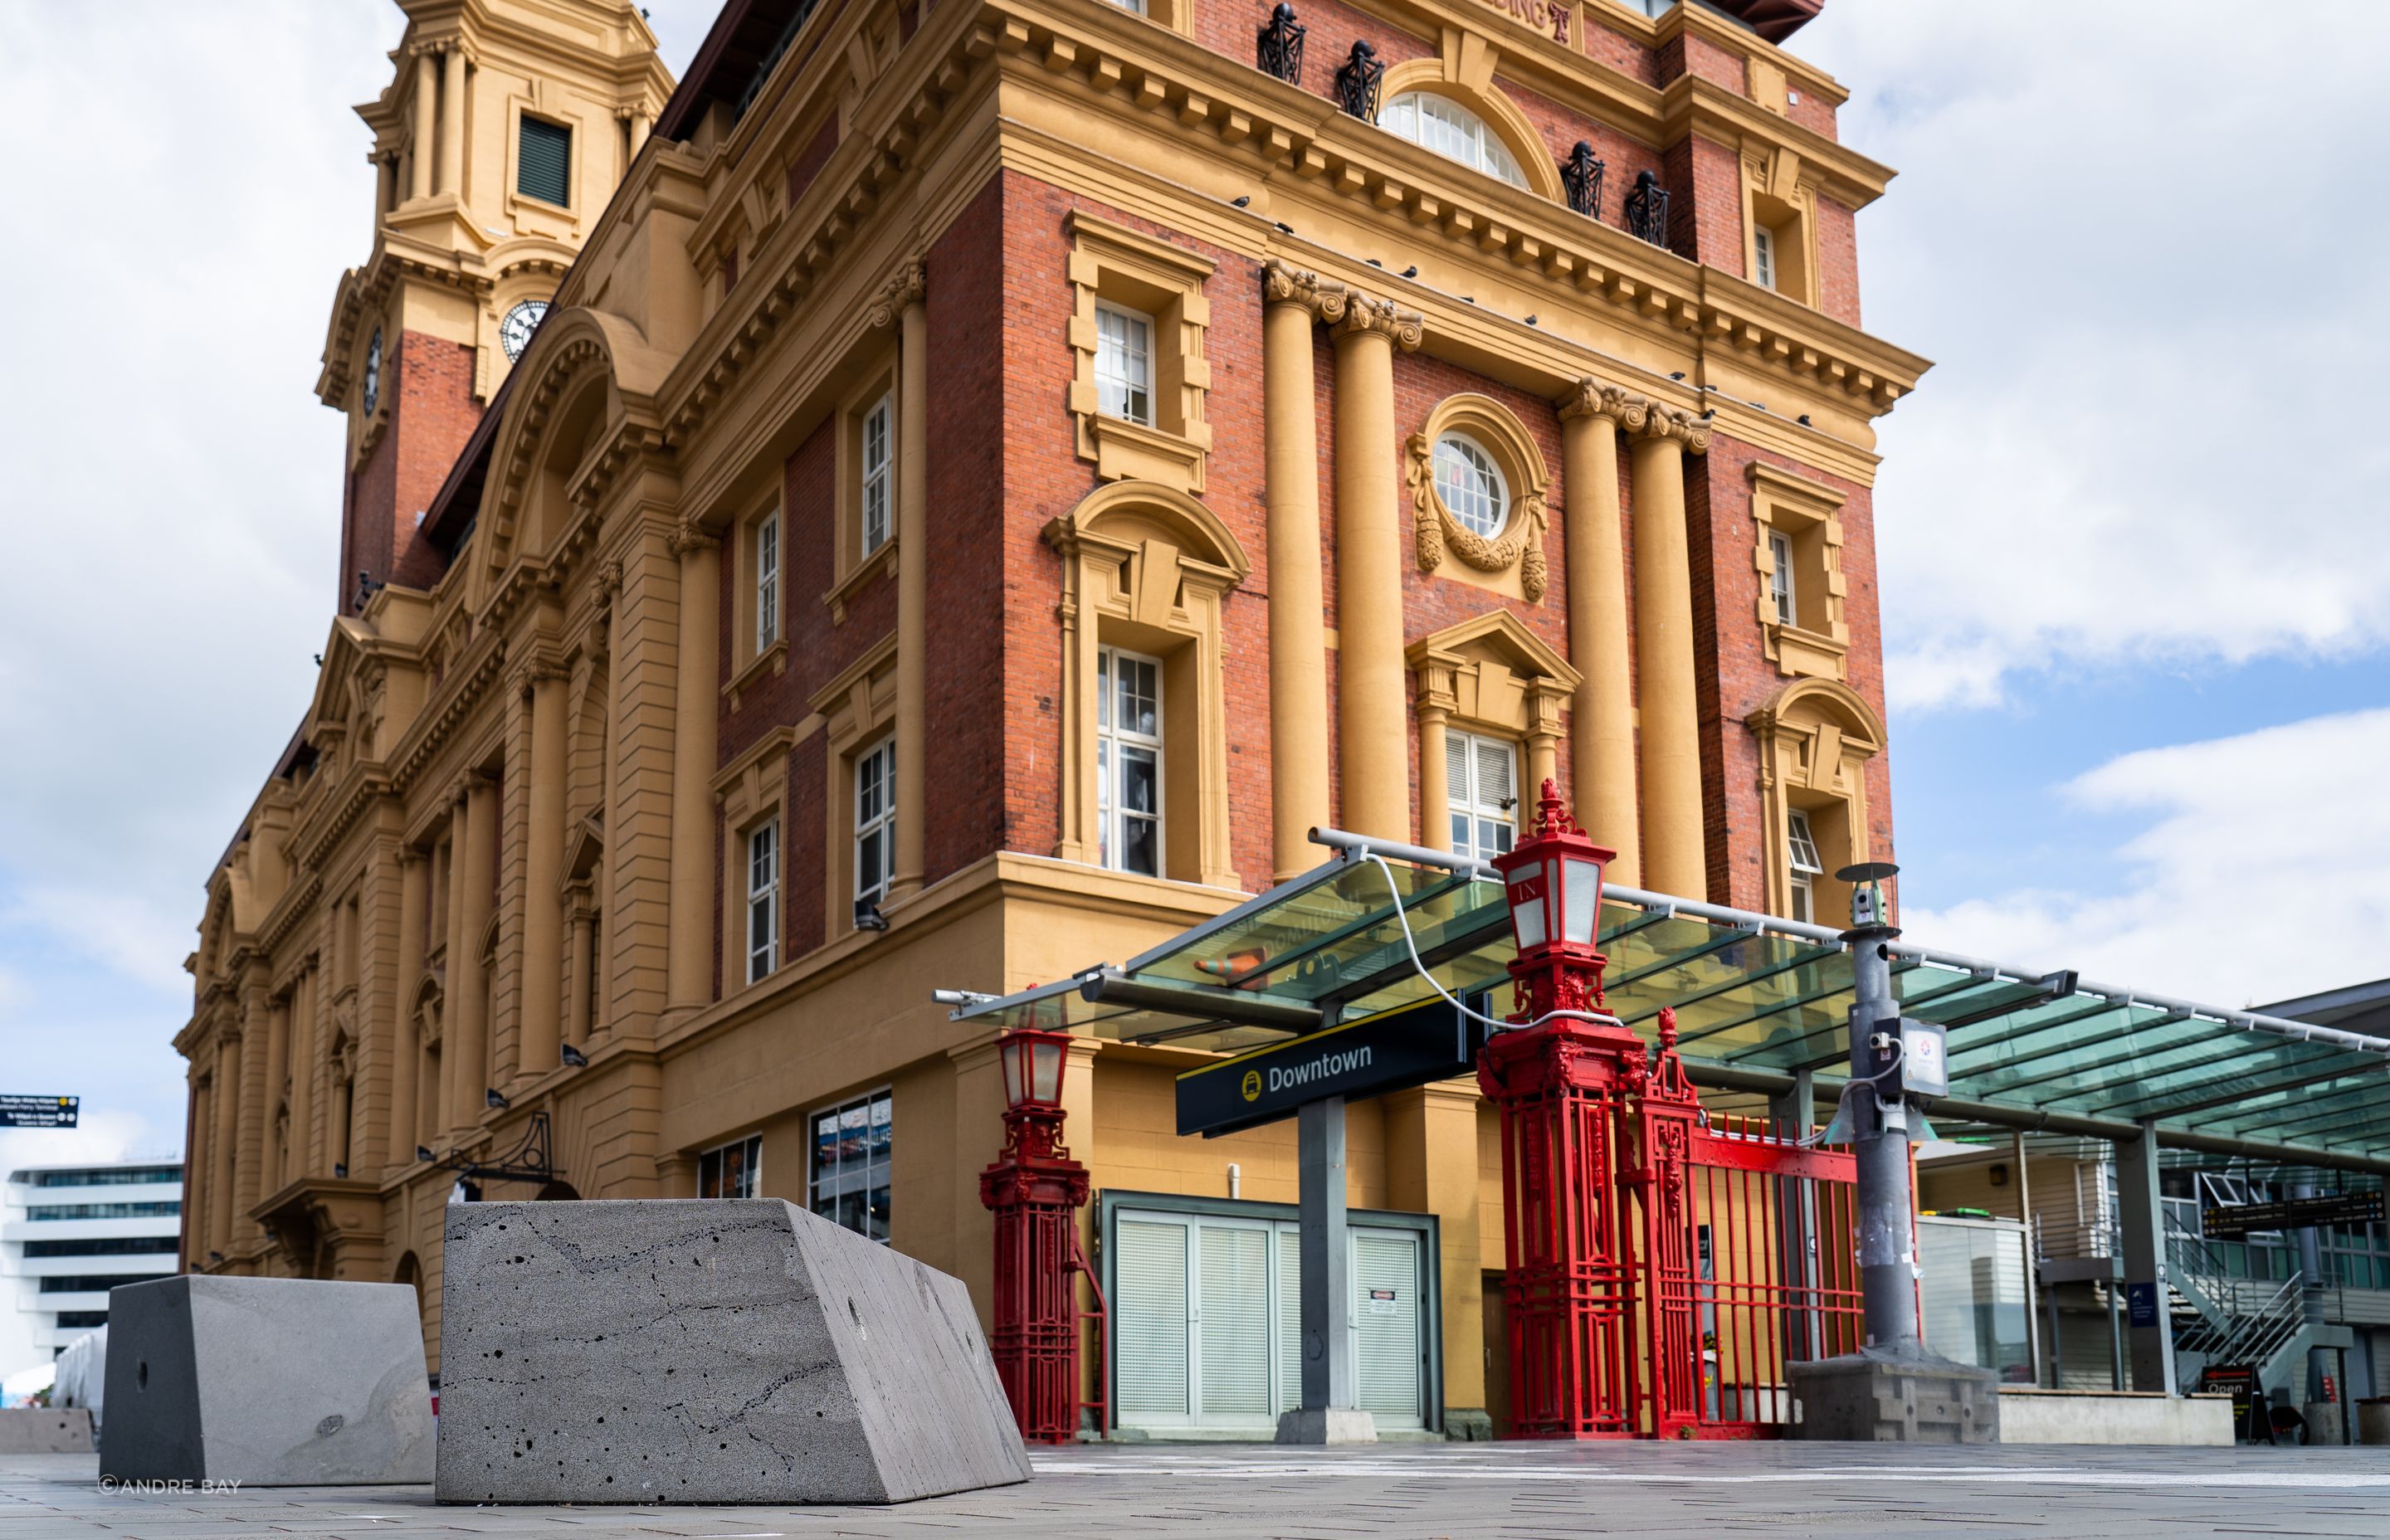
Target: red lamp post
(1562, 1084)
(1035, 1189)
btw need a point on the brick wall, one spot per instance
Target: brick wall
(1838, 261)
(1731, 662)
(432, 412)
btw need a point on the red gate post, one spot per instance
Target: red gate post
(1036, 1190)
(1561, 1083)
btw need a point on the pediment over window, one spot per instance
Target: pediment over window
(1495, 671)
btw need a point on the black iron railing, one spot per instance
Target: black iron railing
(1647, 209)
(1358, 81)
(1278, 48)
(1581, 174)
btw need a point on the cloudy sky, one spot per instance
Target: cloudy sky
(2136, 587)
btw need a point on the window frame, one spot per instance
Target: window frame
(1782, 590)
(1762, 253)
(882, 824)
(1488, 465)
(766, 596)
(524, 117)
(876, 480)
(1462, 123)
(1460, 803)
(1140, 392)
(1803, 864)
(1111, 817)
(750, 1165)
(880, 1096)
(765, 894)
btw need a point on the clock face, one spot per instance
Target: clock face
(373, 374)
(514, 332)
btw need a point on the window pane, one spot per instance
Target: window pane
(1471, 486)
(1123, 364)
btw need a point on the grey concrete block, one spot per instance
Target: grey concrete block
(266, 1381)
(45, 1431)
(1880, 1398)
(1326, 1425)
(683, 1350)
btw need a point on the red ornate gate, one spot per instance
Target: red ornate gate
(1663, 1264)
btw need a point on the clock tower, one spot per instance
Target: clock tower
(504, 129)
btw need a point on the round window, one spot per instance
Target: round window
(1472, 486)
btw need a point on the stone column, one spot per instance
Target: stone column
(225, 1138)
(583, 921)
(414, 894)
(467, 1032)
(451, 118)
(385, 185)
(454, 970)
(1601, 727)
(277, 1070)
(1373, 743)
(196, 1189)
(905, 294)
(1675, 860)
(1292, 300)
(419, 156)
(543, 875)
(1435, 793)
(249, 1164)
(304, 1037)
(688, 964)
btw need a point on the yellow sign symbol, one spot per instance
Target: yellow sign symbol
(1252, 1086)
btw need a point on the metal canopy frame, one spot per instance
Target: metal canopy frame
(1761, 1002)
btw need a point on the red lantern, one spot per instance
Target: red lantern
(1032, 1069)
(1553, 883)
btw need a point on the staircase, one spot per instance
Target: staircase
(2266, 1324)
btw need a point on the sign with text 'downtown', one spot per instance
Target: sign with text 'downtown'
(1369, 1056)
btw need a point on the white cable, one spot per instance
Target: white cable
(1409, 945)
(1412, 947)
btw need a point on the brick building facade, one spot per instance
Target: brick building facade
(726, 672)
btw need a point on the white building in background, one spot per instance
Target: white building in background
(70, 1233)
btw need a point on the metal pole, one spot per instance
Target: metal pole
(1887, 1227)
(1327, 1292)
(2143, 1214)
(2032, 1262)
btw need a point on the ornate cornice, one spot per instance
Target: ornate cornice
(905, 287)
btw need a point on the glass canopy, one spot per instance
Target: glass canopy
(1759, 1002)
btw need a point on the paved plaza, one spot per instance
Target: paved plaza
(1506, 1491)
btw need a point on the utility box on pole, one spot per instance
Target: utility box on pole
(1892, 1389)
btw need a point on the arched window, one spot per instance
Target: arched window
(1471, 485)
(1446, 127)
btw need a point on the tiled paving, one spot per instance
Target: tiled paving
(1503, 1492)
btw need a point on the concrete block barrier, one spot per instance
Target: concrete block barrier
(679, 1351)
(45, 1431)
(266, 1381)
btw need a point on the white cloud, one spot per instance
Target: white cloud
(2263, 873)
(2153, 310)
(100, 1137)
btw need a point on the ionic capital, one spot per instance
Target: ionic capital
(1670, 422)
(907, 286)
(688, 538)
(1405, 328)
(1325, 298)
(1592, 398)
